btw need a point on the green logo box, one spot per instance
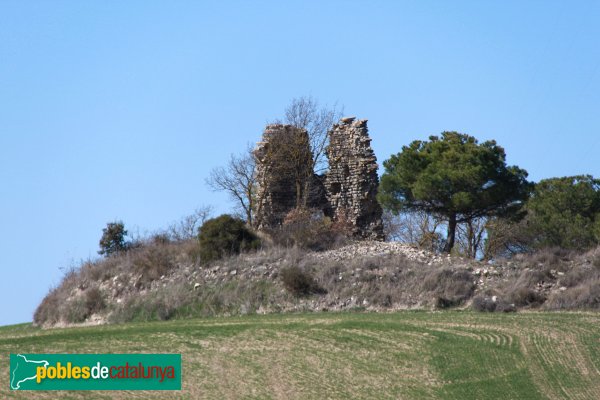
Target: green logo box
(95, 371)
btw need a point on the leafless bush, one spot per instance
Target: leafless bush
(94, 300)
(48, 312)
(489, 304)
(584, 296)
(483, 303)
(153, 261)
(530, 278)
(341, 227)
(74, 310)
(187, 227)
(79, 308)
(506, 238)
(526, 297)
(161, 304)
(307, 229)
(416, 228)
(470, 237)
(577, 276)
(239, 181)
(306, 113)
(381, 298)
(299, 281)
(551, 257)
(450, 287)
(181, 300)
(52, 308)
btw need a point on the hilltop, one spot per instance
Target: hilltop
(163, 280)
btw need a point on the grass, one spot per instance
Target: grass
(405, 355)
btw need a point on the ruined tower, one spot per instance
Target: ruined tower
(285, 177)
(351, 182)
(284, 172)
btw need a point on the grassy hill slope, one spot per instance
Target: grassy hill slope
(412, 355)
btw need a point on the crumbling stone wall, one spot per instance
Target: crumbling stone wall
(351, 183)
(284, 172)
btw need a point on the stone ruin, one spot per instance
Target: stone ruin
(284, 170)
(351, 183)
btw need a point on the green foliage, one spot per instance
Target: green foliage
(224, 236)
(113, 239)
(564, 212)
(455, 177)
(561, 213)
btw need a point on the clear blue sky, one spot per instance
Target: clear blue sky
(118, 110)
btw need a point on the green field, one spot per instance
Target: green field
(410, 355)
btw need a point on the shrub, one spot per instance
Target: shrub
(113, 239)
(584, 296)
(81, 307)
(225, 236)
(305, 228)
(524, 296)
(299, 282)
(578, 276)
(550, 257)
(442, 302)
(450, 287)
(94, 301)
(187, 228)
(181, 300)
(75, 310)
(48, 312)
(596, 261)
(160, 238)
(342, 225)
(483, 304)
(382, 299)
(152, 262)
(487, 304)
(309, 229)
(503, 306)
(531, 278)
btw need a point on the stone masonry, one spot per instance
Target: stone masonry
(352, 182)
(284, 170)
(348, 190)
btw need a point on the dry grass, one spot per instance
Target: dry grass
(584, 296)
(368, 281)
(299, 282)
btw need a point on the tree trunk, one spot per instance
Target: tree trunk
(298, 194)
(249, 217)
(451, 234)
(471, 240)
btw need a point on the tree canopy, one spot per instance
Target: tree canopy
(453, 176)
(224, 236)
(113, 238)
(565, 212)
